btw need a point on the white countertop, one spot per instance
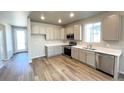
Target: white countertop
(56, 44)
(109, 51)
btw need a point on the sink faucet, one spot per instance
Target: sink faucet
(89, 46)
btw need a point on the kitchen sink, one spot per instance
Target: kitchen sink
(89, 48)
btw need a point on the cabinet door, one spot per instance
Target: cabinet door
(42, 30)
(91, 59)
(35, 29)
(77, 32)
(82, 55)
(58, 50)
(57, 34)
(62, 34)
(50, 51)
(69, 30)
(111, 27)
(49, 35)
(75, 53)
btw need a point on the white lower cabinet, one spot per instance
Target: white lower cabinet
(53, 51)
(75, 53)
(91, 59)
(84, 56)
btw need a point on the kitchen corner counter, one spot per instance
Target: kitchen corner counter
(114, 52)
(56, 44)
(108, 51)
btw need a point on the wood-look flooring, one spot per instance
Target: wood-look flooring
(17, 69)
(62, 68)
(58, 68)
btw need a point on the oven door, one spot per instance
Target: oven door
(67, 51)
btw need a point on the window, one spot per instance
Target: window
(92, 32)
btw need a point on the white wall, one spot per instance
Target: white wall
(29, 39)
(9, 42)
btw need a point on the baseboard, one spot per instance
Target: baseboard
(7, 59)
(1, 65)
(30, 61)
(121, 72)
(20, 52)
(37, 56)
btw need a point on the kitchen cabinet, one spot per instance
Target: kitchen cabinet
(42, 30)
(57, 34)
(75, 53)
(58, 50)
(77, 32)
(69, 30)
(53, 51)
(50, 51)
(82, 56)
(90, 59)
(62, 33)
(49, 34)
(111, 27)
(35, 29)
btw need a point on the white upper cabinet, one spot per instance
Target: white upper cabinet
(35, 29)
(49, 33)
(69, 30)
(77, 32)
(62, 33)
(52, 32)
(42, 30)
(111, 27)
(57, 33)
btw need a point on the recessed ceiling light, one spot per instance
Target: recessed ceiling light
(59, 21)
(42, 17)
(71, 14)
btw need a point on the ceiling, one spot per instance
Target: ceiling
(16, 18)
(53, 16)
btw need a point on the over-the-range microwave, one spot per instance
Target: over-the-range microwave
(70, 36)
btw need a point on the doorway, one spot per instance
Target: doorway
(20, 39)
(1, 46)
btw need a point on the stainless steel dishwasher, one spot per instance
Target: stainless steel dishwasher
(105, 63)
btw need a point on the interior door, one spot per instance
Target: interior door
(20, 40)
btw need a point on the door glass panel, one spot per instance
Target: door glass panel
(21, 40)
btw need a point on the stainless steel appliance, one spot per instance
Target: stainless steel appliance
(67, 48)
(105, 63)
(70, 36)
